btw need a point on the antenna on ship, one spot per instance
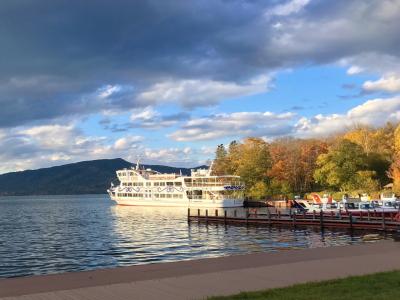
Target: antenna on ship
(210, 168)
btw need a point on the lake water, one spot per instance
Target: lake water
(54, 234)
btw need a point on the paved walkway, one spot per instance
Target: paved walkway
(201, 278)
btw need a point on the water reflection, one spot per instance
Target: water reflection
(41, 235)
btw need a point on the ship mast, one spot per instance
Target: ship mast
(210, 169)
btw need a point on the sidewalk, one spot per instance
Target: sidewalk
(216, 276)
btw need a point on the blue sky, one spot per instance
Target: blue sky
(170, 80)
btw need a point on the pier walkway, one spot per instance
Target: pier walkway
(206, 277)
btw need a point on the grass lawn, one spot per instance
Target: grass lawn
(376, 286)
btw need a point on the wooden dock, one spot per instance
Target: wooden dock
(369, 220)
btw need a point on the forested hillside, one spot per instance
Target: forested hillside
(87, 177)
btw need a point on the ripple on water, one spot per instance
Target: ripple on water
(53, 234)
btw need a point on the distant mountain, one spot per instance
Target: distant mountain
(86, 177)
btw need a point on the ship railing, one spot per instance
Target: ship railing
(211, 184)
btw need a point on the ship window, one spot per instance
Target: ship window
(162, 183)
(156, 183)
(178, 183)
(169, 196)
(148, 183)
(170, 183)
(129, 183)
(162, 195)
(131, 174)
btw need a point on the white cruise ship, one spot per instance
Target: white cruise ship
(145, 187)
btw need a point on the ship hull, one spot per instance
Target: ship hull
(226, 203)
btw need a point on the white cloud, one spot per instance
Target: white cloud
(44, 146)
(374, 112)
(144, 114)
(170, 156)
(201, 92)
(354, 70)
(234, 125)
(387, 84)
(127, 142)
(291, 7)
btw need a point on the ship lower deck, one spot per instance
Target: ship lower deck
(223, 203)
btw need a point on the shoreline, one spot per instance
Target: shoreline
(213, 276)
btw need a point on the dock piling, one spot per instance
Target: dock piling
(383, 221)
(321, 219)
(351, 220)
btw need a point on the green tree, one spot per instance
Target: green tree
(338, 168)
(221, 161)
(394, 171)
(258, 190)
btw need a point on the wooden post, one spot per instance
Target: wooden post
(247, 216)
(294, 220)
(351, 221)
(269, 217)
(225, 217)
(279, 215)
(206, 216)
(369, 216)
(383, 221)
(188, 216)
(216, 212)
(234, 213)
(361, 215)
(321, 219)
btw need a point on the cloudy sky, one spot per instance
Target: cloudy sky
(169, 80)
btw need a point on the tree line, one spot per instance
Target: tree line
(362, 159)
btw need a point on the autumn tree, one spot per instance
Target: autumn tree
(378, 147)
(394, 171)
(343, 167)
(293, 164)
(250, 160)
(253, 163)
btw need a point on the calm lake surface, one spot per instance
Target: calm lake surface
(55, 234)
